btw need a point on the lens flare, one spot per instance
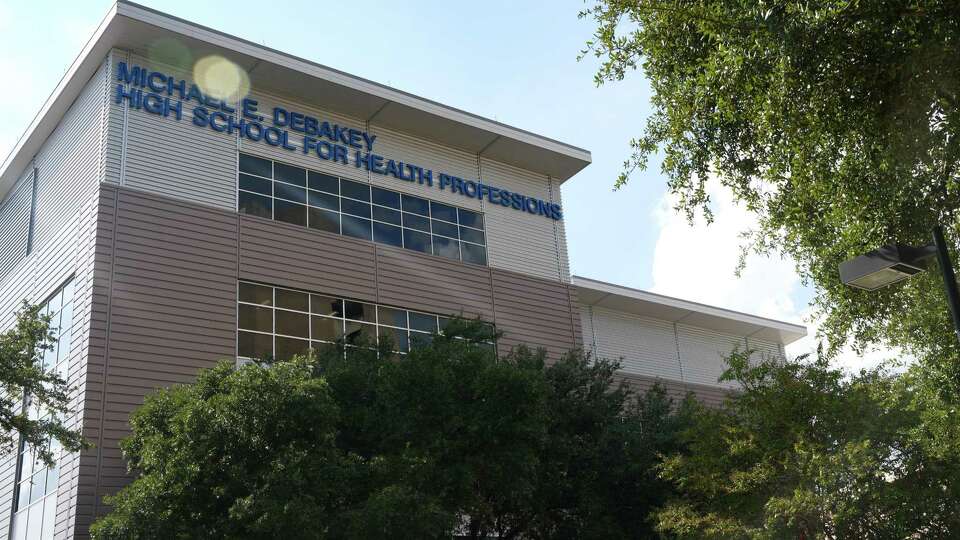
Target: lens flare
(220, 78)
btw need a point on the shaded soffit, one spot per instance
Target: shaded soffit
(646, 304)
(133, 27)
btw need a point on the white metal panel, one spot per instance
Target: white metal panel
(764, 349)
(266, 104)
(517, 240)
(561, 233)
(428, 155)
(112, 124)
(176, 158)
(14, 222)
(702, 353)
(586, 324)
(643, 346)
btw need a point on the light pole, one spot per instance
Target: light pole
(896, 262)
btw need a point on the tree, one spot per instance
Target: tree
(805, 452)
(835, 121)
(357, 443)
(24, 379)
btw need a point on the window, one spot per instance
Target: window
(281, 192)
(276, 322)
(35, 495)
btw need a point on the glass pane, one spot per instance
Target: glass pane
(355, 190)
(324, 220)
(290, 212)
(423, 322)
(19, 527)
(53, 476)
(446, 247)
(418, 339)
(385, 197)
(387, 234)
(64, 344)
(49, 517)
(255, 318)
(254, 183)
(291, 323)
(324, 182)
(256, 294)
(252, 345)
(326, 305)
(416, 205)
(325, 328)
(443, 322)
(292, 193)
(392, 317)
(355, 208)
(356, 227)
(289, 173)
(68, 293)
(445, 229)
(396, 337)
(255, 205)
(287, 348)
(359, 312)
(412, 221)
(472, 235)
(416, 241)
(470, 219)
(297, 300)
(473, 253)
(324, 200)
(34, 522)
(39, 486)
(360, 333)
(387, 215)
(23, 498)
(255, 165)
(443, 211)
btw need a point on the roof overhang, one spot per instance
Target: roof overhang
(647, 304)
(134, 27)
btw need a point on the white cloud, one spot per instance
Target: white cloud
(699, 262)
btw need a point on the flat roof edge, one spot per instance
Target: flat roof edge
(158, 18)
(791, 330)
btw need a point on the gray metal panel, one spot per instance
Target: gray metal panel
(170, 310)
(643, 346)
(292, 256)
(533, 311)
(425, 282)
(537, 251)
(176, 158)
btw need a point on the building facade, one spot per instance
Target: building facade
(185, 196)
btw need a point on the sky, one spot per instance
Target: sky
(515, 62)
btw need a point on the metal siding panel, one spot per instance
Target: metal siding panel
(176, 158)
(266, 104)
(764, 349)
(711, 396)
(293, 256)
(534, 252)
(702, 354)
(589, 336)
(429, 155)
(424, 282)
(532, 311)
(644, 346)
(193, 249)
(14, 224)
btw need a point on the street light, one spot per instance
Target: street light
(896, 262)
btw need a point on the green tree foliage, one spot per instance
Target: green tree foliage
(835, 121)
(22, 374)
(362, 444)
(805, 452)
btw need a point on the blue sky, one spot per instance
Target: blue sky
(511, 61)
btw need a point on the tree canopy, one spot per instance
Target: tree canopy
(35, 398)
(835, 122)
(354, 442)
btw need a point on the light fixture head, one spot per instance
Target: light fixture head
(884, 266)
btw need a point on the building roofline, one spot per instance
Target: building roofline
(646, 303)
(498, 141)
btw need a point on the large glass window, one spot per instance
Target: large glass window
(276, 322)
(282, 192)
(35, 496)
